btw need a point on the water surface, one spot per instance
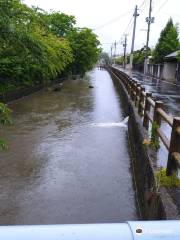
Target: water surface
(58, 168)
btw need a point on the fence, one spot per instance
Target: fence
(152, 112)
(153, 70)
(138, 67)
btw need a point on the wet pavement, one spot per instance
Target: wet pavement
(169, 94)
(59, 167)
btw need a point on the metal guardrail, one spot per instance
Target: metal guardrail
(151, 230)
(144, 102)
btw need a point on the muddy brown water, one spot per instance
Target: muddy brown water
(59, 168)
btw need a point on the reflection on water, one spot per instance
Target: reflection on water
(58, 169)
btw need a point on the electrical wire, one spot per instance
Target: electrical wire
(111, 21)
(160, 8)
(107, 43)
(143, 6)
(129, 26)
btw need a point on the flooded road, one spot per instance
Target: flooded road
(60, 166)
(169, 94)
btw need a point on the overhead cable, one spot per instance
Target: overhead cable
(160, 8)
(111, 21)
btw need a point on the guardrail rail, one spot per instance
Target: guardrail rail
(146, 105)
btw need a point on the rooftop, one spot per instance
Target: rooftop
(172, 55)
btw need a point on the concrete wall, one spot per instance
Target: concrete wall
(169, 71)
(155, 70)
(155, 203)
(20, 92)
(166, 71)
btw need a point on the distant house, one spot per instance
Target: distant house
(171, 69)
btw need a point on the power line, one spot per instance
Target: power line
(162, 5)
(127, 29)
(130, 24)
(143, 6)
(111, 21)
(107, 43)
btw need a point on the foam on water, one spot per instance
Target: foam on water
(112, 124)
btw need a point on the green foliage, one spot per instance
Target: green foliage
(167, 43)
(58, 23)
(167, 181)
(3, 145)
(154, 136)
(29, 54)
(4, 114)
(178, 56)
(36, 46)
(104, 58)
(120, 60)
(85, 49)
(139, 55)
(5, 119)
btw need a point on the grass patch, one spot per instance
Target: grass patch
(167, 181)
(154, 137)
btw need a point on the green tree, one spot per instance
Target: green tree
(29, 53)
(139, 55)
(104, 58)
(120, 60)
(178, 56)
(58, 23)
(36, 46)
(86, 50)
(167, 43)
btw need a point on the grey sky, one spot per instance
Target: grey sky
(95, 13)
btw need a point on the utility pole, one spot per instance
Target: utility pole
(125, 46)
(111, 54)
(149, 20)
(135, 15)
(115, 52)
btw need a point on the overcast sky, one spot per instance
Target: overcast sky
(117, 13)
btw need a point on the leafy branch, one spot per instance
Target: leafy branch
(5, 119)
(154, 137)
